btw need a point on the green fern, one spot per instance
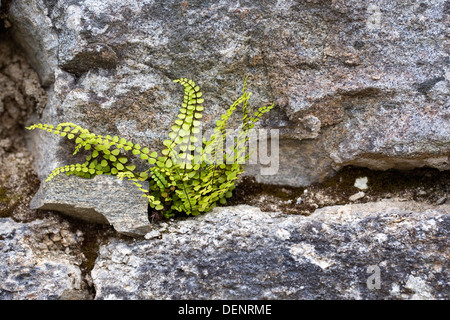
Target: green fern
(189, 175)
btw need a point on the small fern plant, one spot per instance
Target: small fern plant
(189, 175)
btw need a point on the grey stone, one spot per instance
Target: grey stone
(441, 200)
(33, 31)
(103, 199)
(354, 83)
(34, 263)
(356, 196)
(21, 93)
(243, 253)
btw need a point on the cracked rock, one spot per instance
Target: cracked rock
(242, 253)
(365, 87)
(103, 199)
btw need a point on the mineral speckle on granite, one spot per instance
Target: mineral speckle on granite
(240, 253)
(40, 260)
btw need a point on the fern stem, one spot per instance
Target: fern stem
(184, 189)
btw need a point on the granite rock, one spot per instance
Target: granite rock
(33, 27)
(354, 83)
(21, 93)
(382, 250)
(40, 260)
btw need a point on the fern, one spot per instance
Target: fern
(189, 175)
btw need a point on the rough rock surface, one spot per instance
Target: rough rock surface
(103, 199)
(243, 253)
(40, 260)
(354, 82)
(21, 93)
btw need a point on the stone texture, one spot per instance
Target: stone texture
(103, 199)
(40, 260)
(355, 83)
(34, 30)
(243, 253)
(21, 93)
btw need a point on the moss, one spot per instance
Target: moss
(3, 195)
(6, 205)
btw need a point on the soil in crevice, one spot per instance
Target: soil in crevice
(423, 185)
(20, 95)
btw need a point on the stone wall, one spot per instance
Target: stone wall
(353, 83)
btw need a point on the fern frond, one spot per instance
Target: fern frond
(158, 177)
(190, 175)
(187, 125)
(68, 169)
